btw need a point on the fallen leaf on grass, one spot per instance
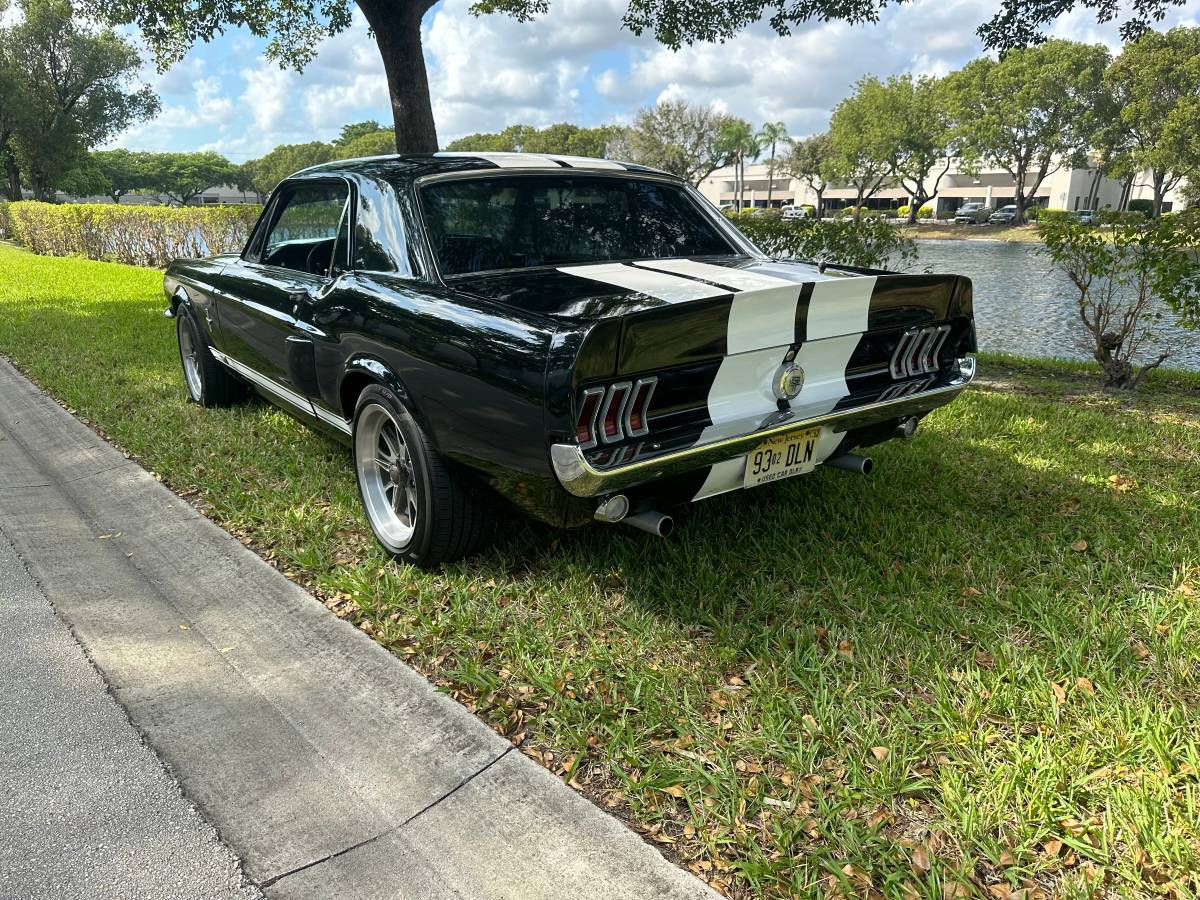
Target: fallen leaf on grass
(1060, 693)
(675, 791)
(845, 648)
(809, 722)
(1051, 849)
(880, 753)
(984, 660)
(920, 859)
(1140, 650)
(1121, 483)
(1079, 546)
(1086, 686)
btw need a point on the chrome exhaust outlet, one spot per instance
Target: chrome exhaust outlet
(851, 462)
(907, 428)
(612, 509)
(651, 521)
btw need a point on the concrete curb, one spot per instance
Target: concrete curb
(329, 766)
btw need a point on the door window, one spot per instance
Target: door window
(306, 229)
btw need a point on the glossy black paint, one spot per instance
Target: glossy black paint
(489, 365)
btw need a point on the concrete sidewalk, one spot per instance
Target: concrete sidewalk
(86, 810)
(325, 763)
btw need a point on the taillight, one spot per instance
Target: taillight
(612, 417)
(637, 422)
(589, 413)
(614, 413)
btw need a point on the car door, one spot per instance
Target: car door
(288, 266)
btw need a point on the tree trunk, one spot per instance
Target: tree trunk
(397, 28)
(1158, 192)
(1094, 193)
(13, 174)
(820, 192)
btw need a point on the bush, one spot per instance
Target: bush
(138, 235)
(1142, 206)
(1120, 270)
(903, 211)
(925, 212)
(870, 244)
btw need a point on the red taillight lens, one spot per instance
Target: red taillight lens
(611, 423)
(589, 413)
(637, 421)
(614, 413)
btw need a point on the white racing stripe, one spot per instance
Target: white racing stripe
(507, 160)
(839, 306)
(586, 162)
(660, 285)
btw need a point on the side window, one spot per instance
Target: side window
(306, 228)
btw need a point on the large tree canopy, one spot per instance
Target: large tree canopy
(68, 88)
(679, 138)
(294, 29)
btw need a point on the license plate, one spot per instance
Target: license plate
(782, 457)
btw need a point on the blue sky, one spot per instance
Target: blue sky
(574, 64)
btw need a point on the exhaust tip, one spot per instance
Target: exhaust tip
(613, 509)
(868, 466)
(665, 526)
(652, 522)
(907, 428)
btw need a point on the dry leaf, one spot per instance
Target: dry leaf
(1007, 859)
(845, 648)
(984, 660)
(1060, 693)
(880, 753)
(920, 859)
(809, 722)
(1140, 650)
(675, 791)
(1079, 546)
(972, 592)
(1085, 685)
(999, 891)
(1052, 848)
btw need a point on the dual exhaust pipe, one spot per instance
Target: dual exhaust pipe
(617, 508)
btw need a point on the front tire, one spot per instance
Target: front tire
(420, 511)
(208, 382)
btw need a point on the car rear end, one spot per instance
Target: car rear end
(747, 372)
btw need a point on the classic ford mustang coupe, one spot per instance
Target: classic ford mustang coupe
(588, 339)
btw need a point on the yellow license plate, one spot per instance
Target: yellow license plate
(781, 457)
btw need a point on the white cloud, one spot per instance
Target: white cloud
(574, 64)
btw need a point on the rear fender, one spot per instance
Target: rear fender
(363, 370)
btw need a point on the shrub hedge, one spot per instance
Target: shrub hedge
(138, 235)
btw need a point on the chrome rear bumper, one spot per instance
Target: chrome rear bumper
(583, 479)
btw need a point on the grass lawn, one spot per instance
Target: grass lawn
(976, 672)
(1023, 234)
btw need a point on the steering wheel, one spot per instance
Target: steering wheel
(308, 260)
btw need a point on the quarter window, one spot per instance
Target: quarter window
(305, 231)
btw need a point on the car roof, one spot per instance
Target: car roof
(419, 165)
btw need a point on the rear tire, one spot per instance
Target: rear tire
(420, 511)
(208, 383)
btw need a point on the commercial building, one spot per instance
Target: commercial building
(1065, 189)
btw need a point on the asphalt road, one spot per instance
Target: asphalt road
(86, 809)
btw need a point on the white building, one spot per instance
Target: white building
(1065, 189)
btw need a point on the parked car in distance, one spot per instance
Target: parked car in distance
(795, 212)
(1005, 215)
(972, 214)
(1087, 216)
(584, 339)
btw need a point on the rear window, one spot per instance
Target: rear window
(520, 221)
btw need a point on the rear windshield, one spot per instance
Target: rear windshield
(519, 221)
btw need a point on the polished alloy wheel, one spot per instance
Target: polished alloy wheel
(386, 476)
(189, 351)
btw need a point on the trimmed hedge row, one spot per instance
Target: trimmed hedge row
(138, 235)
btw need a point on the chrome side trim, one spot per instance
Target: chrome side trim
(332, 418)
(260, 380)
(582, 479)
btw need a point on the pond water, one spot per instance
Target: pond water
(1022, 306)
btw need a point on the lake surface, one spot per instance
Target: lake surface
(1022, 306)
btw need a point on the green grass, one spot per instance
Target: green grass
(979, 667)
(1021, 234)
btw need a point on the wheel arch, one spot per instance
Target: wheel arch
(360, 373)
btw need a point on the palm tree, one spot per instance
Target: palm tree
(738, 142)
(772, 134)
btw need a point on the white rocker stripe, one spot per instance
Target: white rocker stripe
(660, 285)
(286, 394)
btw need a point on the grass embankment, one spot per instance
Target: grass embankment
(1021, 234)
(977, 671)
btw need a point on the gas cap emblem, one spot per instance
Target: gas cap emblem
(789, 381)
